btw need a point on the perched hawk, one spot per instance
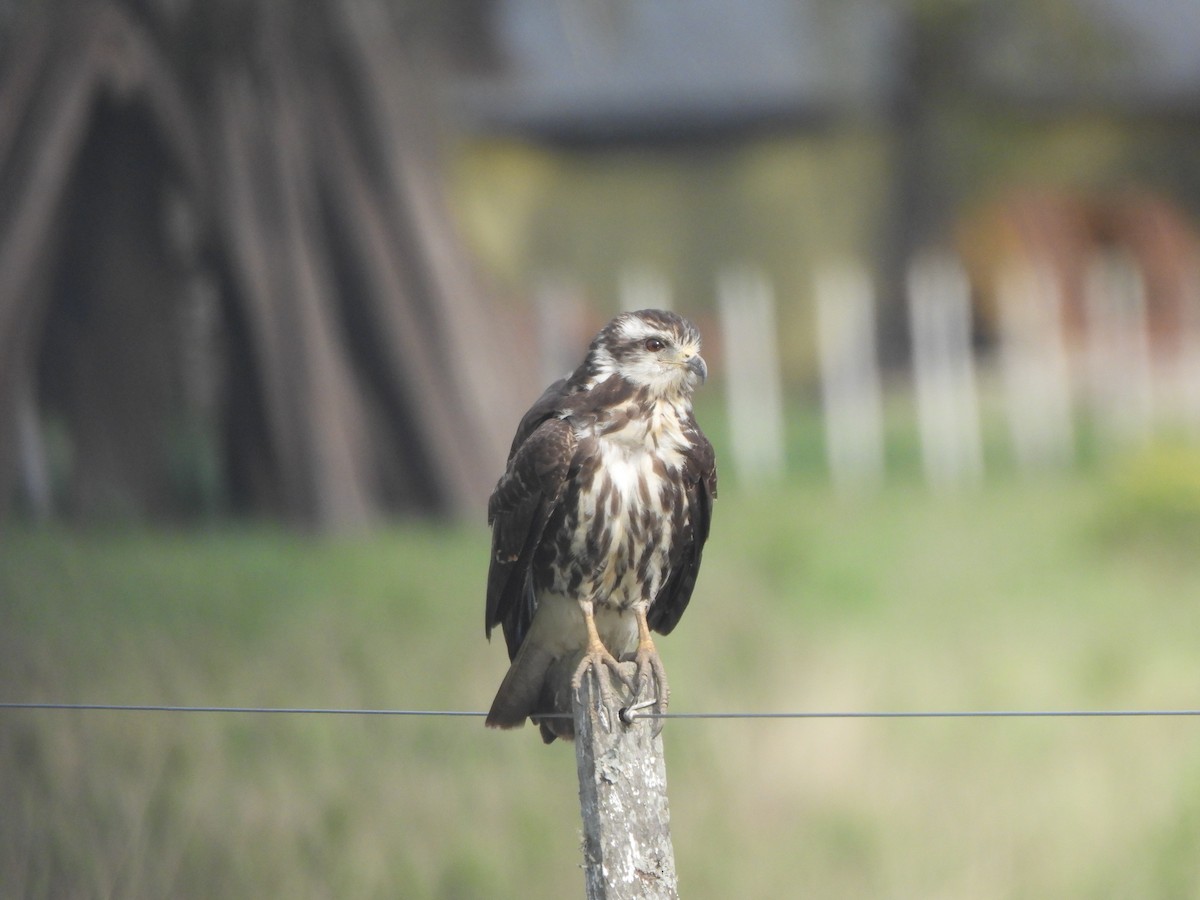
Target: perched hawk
(599, 521)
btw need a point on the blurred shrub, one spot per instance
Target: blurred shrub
(1154, 495)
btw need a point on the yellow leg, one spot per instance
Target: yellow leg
(595, 646)
(595, 658)
(645, 640)
(651, 673)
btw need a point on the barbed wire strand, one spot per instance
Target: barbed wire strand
(626, 713)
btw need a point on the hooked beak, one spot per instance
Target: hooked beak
(697, 365)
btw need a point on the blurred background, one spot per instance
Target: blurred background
(277, 282)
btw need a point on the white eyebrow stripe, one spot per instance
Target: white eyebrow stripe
(634, 329)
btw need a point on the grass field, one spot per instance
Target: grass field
(1082, 592)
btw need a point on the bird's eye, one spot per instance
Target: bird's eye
(653, 345)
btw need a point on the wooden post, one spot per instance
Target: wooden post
(939, 298)
(851, 392)
(1119, 368)
(627, 852)
(32, 454)
(753, 378)
(1187, 368)
(1035, 365)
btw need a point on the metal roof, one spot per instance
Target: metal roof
(581, 70)
(613, 70)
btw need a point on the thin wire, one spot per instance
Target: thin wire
(931, 714)
(627, 713)
(120, 707)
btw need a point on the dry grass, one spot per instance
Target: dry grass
(1021, 597)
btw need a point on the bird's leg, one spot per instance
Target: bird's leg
(650, 670)
(594, 657)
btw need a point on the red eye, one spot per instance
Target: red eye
(653, 345)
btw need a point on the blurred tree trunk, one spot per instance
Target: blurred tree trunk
(929, 42)
(108, 365)
(284, 156)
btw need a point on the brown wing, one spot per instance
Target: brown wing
(700, 475)
(522, 503)
(543, 408)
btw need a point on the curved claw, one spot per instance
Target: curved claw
(650, 670)
(653, 676)
(594, 660)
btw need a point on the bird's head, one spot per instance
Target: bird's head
(651, 348)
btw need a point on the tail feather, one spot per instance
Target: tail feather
(521, 688)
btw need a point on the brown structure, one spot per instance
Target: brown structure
(1063, 231)
(227, 273)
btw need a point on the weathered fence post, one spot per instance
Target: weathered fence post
(627, 852)
(1035, 364)
(1120, 372)
(939, 306)
(753, 379)
(851, 389)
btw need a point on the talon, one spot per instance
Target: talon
(594, 660)
(595, 657)
(650, 670)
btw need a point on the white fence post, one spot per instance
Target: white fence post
(944, 371)
(1118, 348)
(1035, 366)
(32, 454)
(752, 377)
(1187, 368)
(850, 384)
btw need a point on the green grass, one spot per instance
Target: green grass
(1053, 594)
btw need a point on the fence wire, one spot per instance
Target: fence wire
(626, 714)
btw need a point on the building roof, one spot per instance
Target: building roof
(1129, 55)
(619, 70)
(587, 71)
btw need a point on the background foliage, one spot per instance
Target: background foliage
(1042, 595)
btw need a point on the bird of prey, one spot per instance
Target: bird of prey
(600, 518)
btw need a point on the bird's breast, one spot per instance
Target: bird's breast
(621, 521)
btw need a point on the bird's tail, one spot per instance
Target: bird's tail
(521, 688)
